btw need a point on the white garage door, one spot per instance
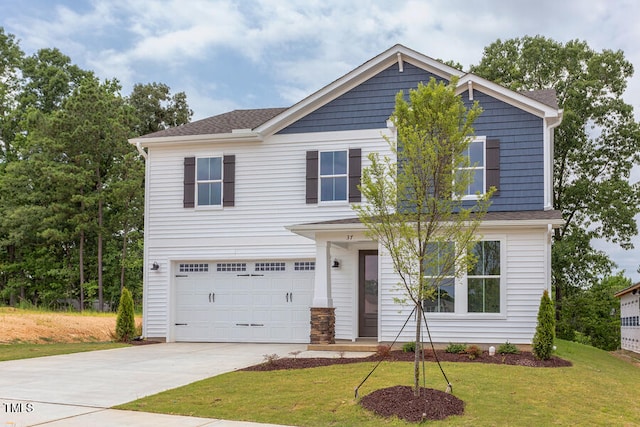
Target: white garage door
(258, 301)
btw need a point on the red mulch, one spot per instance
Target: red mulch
(399, 400)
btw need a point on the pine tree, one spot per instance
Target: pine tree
(545, 330)
(125, 322)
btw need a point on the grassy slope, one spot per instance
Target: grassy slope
(598, 390)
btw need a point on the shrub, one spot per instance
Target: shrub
(125, 322)
(455, 348)
(270, 359)
(473, 351)
(409, 347)
(508, 348)
(542, 344)
(383, 351)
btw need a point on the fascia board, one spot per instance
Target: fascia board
(627, 290)
(516, 99)
(198, 139)
(353, 79)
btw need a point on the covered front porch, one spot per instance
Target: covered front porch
(345, 303)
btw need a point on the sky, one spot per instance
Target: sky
(229, 55)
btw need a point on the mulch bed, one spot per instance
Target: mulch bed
(524, 358)
(399, 401)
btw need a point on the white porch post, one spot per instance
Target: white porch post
(322, 286)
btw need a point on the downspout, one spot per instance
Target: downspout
(548, 157)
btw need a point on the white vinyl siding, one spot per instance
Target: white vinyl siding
(269, 195)
(523, 281)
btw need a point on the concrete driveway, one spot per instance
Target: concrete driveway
(76, 389)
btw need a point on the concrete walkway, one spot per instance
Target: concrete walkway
(76, 390)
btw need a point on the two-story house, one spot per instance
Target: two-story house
(250, 234)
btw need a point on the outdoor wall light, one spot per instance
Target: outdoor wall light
(155, 266)
(336, 263)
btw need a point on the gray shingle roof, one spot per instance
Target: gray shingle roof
(222, 123)
(489, 216)
(545, 96)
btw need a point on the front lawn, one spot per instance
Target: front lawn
(598, 390)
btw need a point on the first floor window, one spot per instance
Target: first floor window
(333, 176)
(209, 181)
(483, 279)
(438, 266)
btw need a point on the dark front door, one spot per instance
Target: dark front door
(368, 294)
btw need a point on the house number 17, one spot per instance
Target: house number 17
(349, 236)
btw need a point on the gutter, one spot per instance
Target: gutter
(141, 150)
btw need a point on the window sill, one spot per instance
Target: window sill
(467, 316)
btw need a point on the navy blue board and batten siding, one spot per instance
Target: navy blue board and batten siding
(369, 105)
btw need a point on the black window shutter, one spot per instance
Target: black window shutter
(189, 182)
(312, 177)
(355, 170)
(229, 180)
(493, 164)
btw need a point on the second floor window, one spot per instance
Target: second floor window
(476, 167)
(333, 176)
(209, 181)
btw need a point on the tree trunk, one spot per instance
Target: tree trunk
(81, 265)
(100, 293)
(124, 257)
(418, 353)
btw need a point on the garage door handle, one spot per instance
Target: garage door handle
(212, 297)
(209, 296)
(287, 296)
(290, 296)
(181, 324)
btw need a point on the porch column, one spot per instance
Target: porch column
(322, 310)
(322, 286)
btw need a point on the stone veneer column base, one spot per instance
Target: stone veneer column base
(323, 325)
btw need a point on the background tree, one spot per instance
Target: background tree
(596, 147)
(155, 108)
(593, 316)
(411, 206)
(11, 57)
(71, 187)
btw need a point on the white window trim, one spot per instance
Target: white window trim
(221, 180)
(482, 139)
(320, 176)
(462, 290)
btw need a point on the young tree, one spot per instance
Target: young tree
(596, 146)
(413, 204)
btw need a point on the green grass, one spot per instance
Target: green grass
(598, 390)
(27, 350)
